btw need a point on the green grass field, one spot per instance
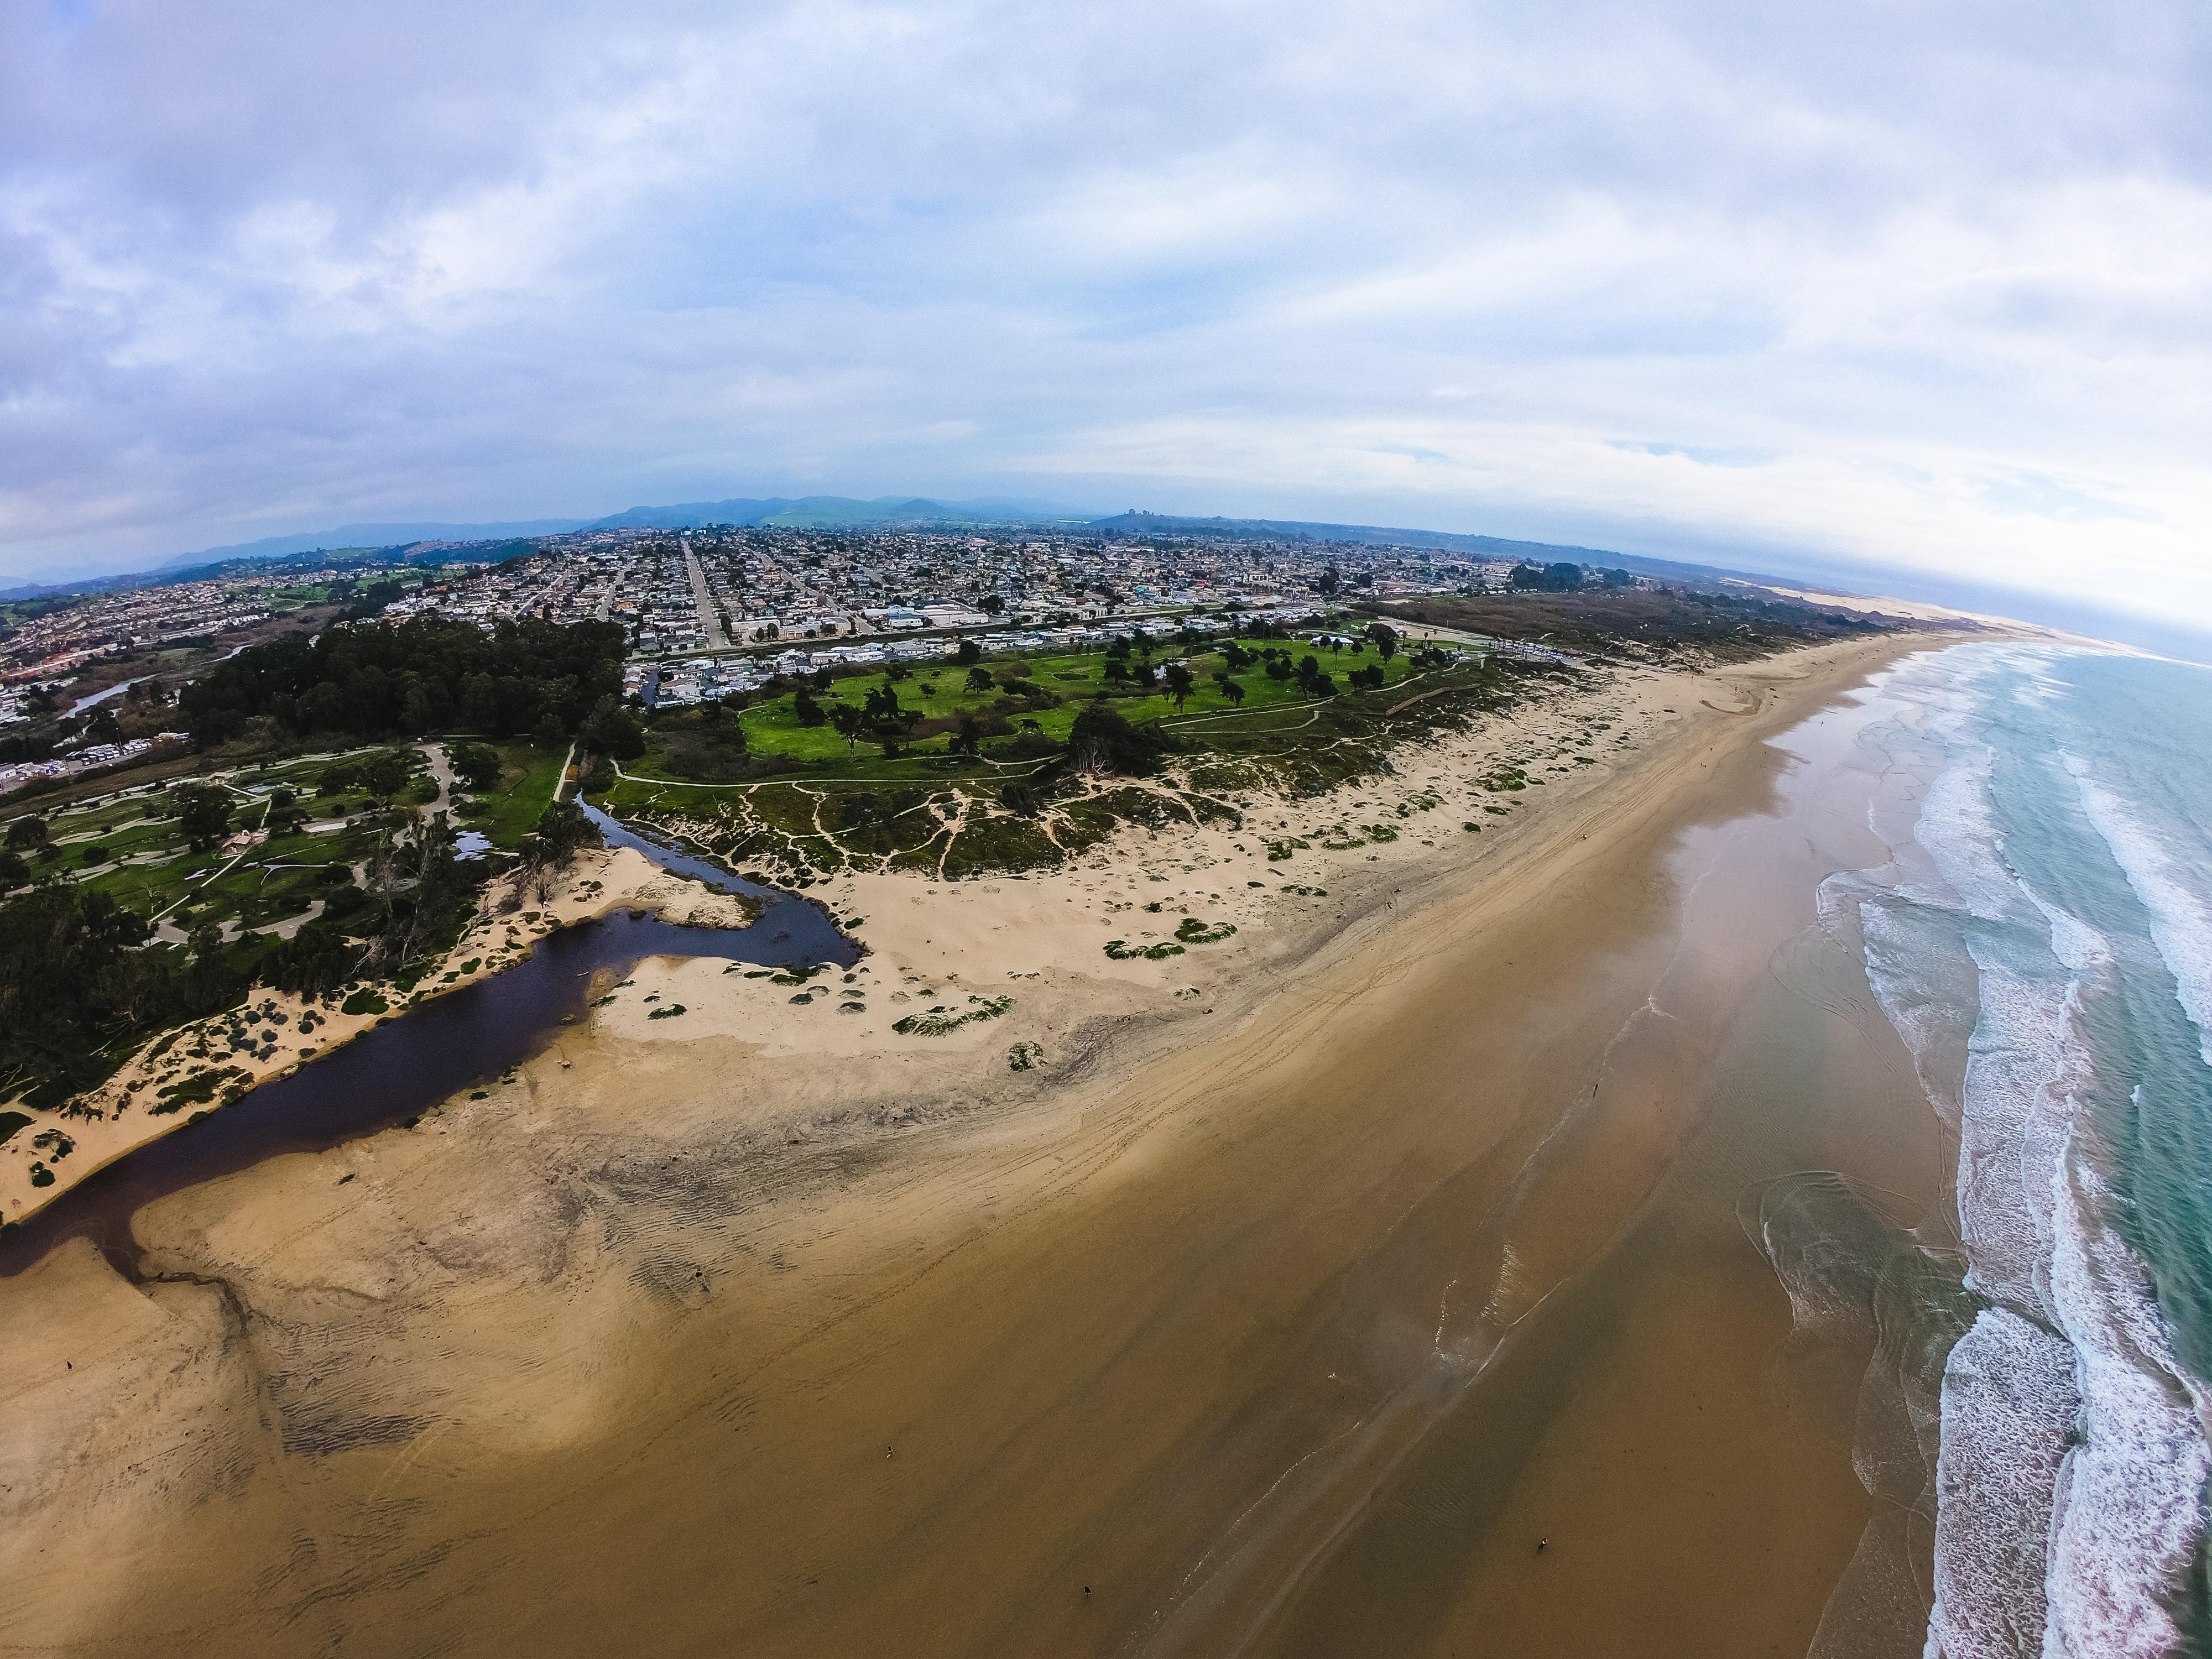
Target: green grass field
(158, 874)
(941, 693)
(813, 803)
(511, 811)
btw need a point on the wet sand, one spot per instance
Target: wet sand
(1290, 1332)
(1685, 1464)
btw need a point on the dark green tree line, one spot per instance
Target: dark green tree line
(426, 674)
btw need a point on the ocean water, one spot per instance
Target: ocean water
(2042, 942)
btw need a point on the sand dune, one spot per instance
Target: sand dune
(769, 1328)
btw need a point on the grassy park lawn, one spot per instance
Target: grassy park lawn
(510, 812)
(155, 867)
(813, 803)
(282, 877)
(942, 693)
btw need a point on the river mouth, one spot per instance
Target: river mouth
(399, 1070)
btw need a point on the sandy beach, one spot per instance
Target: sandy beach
(1279, 1296)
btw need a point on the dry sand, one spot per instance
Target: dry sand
(768, 1329)
(129, 1110)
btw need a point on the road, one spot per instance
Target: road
(710, 620)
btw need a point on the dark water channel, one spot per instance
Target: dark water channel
(399, 1070)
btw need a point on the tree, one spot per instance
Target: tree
(26, 832)
(422, 674)
(1328, 580)
(1179, 683)
(883, 707)
(1386, 640)
(208, 983)
(968, 654)
(1117, 671)
(968, 739)
(564, 831)
(416, 915)
(1234, 692)
(476, 765)
(808, 711)
(13, 872)
(1564, 577)
(994, 603)
(384, 774)
(285, 813)
(1024, 799)
(611, 729)
(71, 981)
(1525, 576)
(850, 723)
(1101, 740)
(204, 813)
(314, 960)
(979, 679)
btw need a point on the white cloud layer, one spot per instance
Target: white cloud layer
(1922, 286)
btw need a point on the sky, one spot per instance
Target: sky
(1864, 287)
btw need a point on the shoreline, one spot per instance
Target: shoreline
(1178, 1210)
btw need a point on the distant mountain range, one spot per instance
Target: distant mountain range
(831, 513)
(368, 535)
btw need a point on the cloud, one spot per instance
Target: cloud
(1898, 286)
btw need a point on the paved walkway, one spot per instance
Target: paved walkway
(441, 772)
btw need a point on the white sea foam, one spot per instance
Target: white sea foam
(2127, 1509)
(2008, 1405)
(1909, 949)
(2072, 1456)
(2181, 915)
(2027, 1066)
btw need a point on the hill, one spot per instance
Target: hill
(825, 512)
(368, 535)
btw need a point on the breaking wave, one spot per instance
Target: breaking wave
(2042, 944)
